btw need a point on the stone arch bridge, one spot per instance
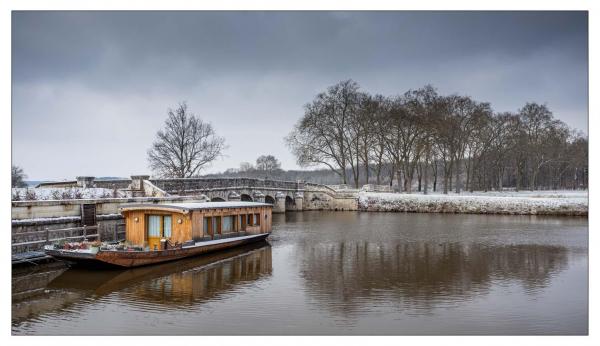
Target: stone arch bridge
(284, 195)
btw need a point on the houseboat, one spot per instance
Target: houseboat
(158, 233)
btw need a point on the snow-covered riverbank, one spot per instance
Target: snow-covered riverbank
(517, 203)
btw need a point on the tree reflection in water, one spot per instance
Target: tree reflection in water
(344, 273)
(422, 275)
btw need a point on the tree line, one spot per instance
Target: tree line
(422, 139)
(18, 177)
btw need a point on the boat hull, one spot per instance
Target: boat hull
(129, 259)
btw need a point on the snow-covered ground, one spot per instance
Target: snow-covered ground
(523, 203)
(43, 194)
(522, 193)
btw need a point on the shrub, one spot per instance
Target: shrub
(56, 194)
(30, 195)
(67, 194)
(78, 194)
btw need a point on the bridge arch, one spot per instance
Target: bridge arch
(290, 204)
(217, 199)
(246, 198)
(269, 199)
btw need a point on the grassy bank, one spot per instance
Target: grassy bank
(567, 203)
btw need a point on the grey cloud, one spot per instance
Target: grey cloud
(251, 72)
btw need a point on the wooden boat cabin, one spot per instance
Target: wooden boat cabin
(154, 226)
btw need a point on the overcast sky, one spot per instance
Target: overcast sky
(90, 89)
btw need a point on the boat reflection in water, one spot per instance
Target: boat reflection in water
(345, 273)
(180, 283)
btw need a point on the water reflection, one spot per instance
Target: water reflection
(28, 282)
(191, 282)
(175, 284)
(342, 273)
(422, 275)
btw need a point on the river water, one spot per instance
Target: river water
(339, 273)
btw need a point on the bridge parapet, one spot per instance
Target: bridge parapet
(191, 184)
(297, 195)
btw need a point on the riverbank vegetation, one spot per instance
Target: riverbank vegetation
(423, 140)
(522, 203)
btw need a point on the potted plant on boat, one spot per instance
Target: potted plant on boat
(95, 246)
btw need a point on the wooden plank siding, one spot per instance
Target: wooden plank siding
(190, 226)
(181, 232)
(197, 226)
(263, 227)
(135, 231)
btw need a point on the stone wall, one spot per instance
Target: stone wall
(377, 188)
(152, 190)
(202, 184)
(30, 219)
(33, 230)
(320, 197)
(300, 195)
(72, 207)
(113, 183)
(109, 228)
(89, 182)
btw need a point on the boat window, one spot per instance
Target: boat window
(228, 224)
(154, 225)
(256, 219)
(216, 221)
(167, 226)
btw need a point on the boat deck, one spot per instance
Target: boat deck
(130, 258)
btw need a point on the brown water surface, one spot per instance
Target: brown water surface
(339, 273)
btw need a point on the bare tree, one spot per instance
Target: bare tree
(268, 163)
(420, 106)
(539, 124)
(452, 137)
(245, 167)
(410, 117)
(577, 152)
(184, 146)
(379, 122)
(18, 177)
(366, 125)
(321, 136)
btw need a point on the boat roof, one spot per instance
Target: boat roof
(186, 207)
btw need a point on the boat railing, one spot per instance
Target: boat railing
(47, 236)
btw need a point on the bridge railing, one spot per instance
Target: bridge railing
(183, 184)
